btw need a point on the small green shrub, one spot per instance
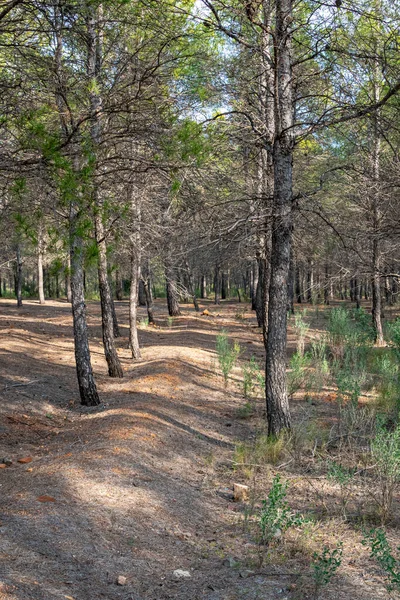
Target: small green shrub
(393, 335)
(339, 328)
(356, 423)
(381, 551)
(325, 566)
(363, 323)
(385, 450)
(246, 411)
(264, 450)
(227, 354)
(170, 321)
(299, 373)
(387, 384)
(301, 328)
(252, 378)
(144, 323)
(276, 516)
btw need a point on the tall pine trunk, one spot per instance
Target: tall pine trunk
(86, 383)
(376, 221)
(107, 320)
(171, 290)
(18, 276)
(278, 415)
(40, 265)
(135, 241)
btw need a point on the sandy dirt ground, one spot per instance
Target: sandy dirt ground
(140, 486)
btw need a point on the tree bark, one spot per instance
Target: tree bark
(18, 277)
(133, 302)
(118, 285)
(217, 284)
(141, 294)
(310, 281)
(203, 287)
(171, 290)
(135, 241)
(290, 285)
(278, 415)
(107, 320)
(326, 285)
(40, 266)
(192, 289)
(86, 383)
(68, 280)
(114, 315)
(254, 286)
(376, 221)
(149, 300)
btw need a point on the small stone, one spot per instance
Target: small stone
(230, 562)
(246, 573)
(25, 460)
(3, 466)
(277, 534)
(181, 574)
(240, 492)
(7, 461)
(121, 580)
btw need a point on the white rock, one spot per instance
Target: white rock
(181, 574)
(121, 580)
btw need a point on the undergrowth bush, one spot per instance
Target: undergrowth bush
(263, 451)
(301, 328)
(387, 559)
(227, 354)
(276, 516)
(253, 379)
(385, 450)
(325, 566)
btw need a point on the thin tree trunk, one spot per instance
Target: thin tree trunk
(298, 285)
(192, 289)
(107, 321)
(40, 266)
(133, 301)
(118, 285)
(254, 285)
(149, 299)
(278, 415)
(357, 292)
(172, 292)
(310, 281)
(116, 330)
(135, 241)
(223, 286)
(87, 385)
(326, 285)
(376, 219)
(141, 294)
(68, 280)
(203, 287)
(217, 284)
(290, 285)
(18, 278)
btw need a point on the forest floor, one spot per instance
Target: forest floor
(142, 485)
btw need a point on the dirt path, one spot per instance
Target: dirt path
(139, 487)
